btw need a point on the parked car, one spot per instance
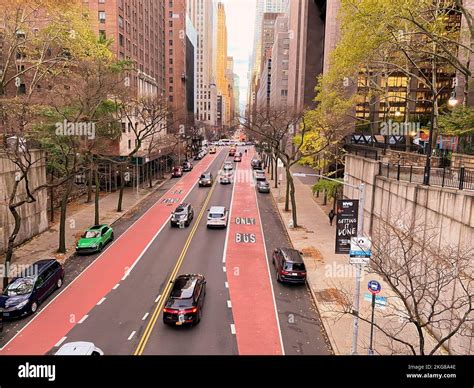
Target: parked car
(263, 186)
(79, 348)
(212, 150)
(289, 265)
(186, 300)
(260, 175)
(177, 172)
(94, 239)
(256, 164)
(199, 156)
(206, 179)
(238, 157)
(187, 166)
(25, 293)
(184, 213)
(232, 151)
(225, 177)
(217, 217)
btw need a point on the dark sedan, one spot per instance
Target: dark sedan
(206, 180)
(183, 215)
(185, 303)
(263, 186)
(26, 292)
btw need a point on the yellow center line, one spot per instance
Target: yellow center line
(156, 313)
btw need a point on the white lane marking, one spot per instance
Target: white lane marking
(127, 232)
(229, 304)
(232, 328)
(224, 269)
(126, 275)
(269, 273)
(101, 301)
(116, 286)
(131, 335)
(226, 284)
(60, 342)
(83, 319)
(157, 298)
(145, 316)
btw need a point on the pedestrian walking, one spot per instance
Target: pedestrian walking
(331, 216)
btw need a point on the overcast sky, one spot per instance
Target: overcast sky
(240, 25)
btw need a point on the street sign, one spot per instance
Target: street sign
(380, 301)
(359, 260)
(347, 211)
(374, 287)
(360, 247)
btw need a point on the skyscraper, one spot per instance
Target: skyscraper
(221, 65)
(203, 15)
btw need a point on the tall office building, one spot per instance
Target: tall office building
(202, 14)
(307, 22)
(280, 64)
(262, 6)
(237, 95)
(222, 80)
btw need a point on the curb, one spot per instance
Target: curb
(325, 325)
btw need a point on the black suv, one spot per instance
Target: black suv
(289, 265)
(184, 305)
(206, 179)
(26, 292)
(184, 213)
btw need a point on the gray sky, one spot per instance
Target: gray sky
(240, 25)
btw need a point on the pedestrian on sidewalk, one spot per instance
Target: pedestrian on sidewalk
(331, 216)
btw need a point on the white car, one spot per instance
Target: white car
(217, 217)
(79, 348)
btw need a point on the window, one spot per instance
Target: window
(102, 16)
(129, 144)
(120, 39)
(102, 35)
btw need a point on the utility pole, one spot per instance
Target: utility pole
(360, 233)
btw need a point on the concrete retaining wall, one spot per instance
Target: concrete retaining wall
(446, 213)
(34, 215)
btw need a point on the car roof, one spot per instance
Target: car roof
(79, 348)
(37, 267)
(96, 227)
(184, 285)
(217, 209)
(206, 173)
(291, 255)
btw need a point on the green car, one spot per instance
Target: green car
(94, 239)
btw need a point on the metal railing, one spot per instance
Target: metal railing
(456, 178)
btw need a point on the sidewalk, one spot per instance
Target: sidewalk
(331, 278)
(80, 216)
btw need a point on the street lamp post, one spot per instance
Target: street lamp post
(360, 233)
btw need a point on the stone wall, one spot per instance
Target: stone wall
(34, 215)
(458, 160)
(445, 213)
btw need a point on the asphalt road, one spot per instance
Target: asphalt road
(128, 320)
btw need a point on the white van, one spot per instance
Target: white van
(217, 217)
(79, 348)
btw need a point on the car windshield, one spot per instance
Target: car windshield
(294, 266)
(20, 286)
(205, 176)
(216, 215)
(180, 210)
(91, 234)
(181, 303)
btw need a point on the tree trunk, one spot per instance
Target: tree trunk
(11, 243)
(97, 192)
(276, 172)
(150, 176)
(89, 184)
(287, 193)
(122, 186)
(62, 221)
(293, 201)
(51, 199)
(325, 197)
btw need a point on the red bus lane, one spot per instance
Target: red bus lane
(253, 304)
(57, 318)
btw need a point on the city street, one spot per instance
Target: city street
(117, 301)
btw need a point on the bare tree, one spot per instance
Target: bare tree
(433, 287)
(289, 138)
